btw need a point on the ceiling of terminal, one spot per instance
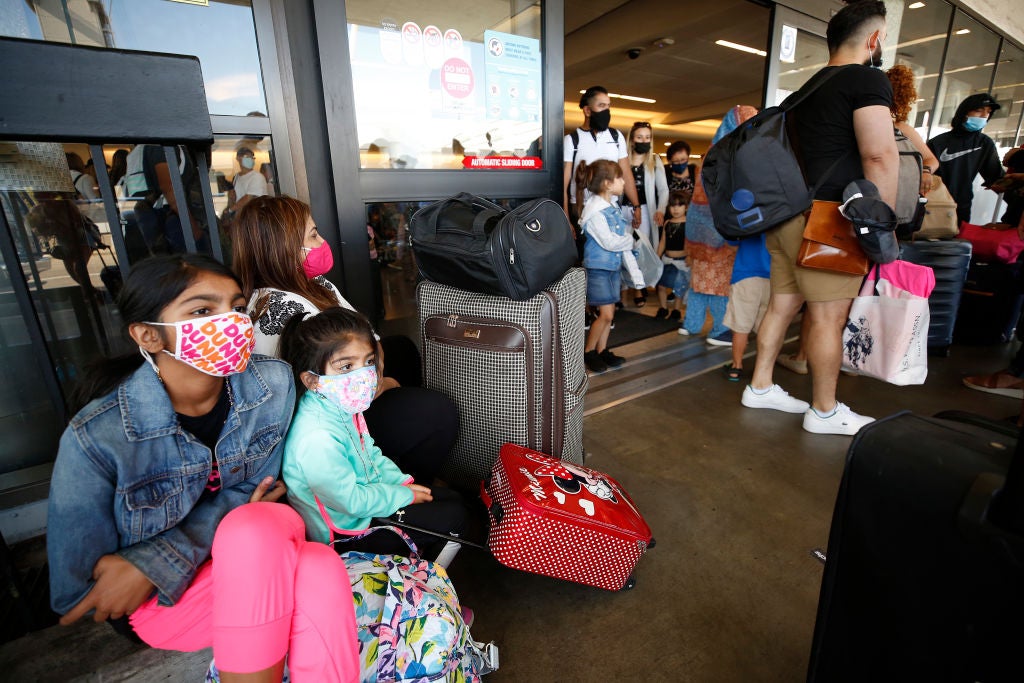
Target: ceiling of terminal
(692, 80)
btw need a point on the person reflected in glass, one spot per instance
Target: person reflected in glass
(283, 261)
(118, 167)
(247, 184)
(69, 235)
(84, 185)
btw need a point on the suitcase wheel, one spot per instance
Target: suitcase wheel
(651, 543)
(630, 582)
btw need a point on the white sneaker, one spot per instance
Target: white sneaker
(842, 421)
(775, 398)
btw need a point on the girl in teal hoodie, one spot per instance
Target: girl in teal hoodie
(337, 479)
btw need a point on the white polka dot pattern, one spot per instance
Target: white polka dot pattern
(534, 397)
(545, 530)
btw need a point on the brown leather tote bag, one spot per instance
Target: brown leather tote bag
(830, 242)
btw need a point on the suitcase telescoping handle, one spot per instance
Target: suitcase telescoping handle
(492, 505)
(470, 200)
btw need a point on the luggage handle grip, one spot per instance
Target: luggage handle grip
(493, 506)
(491, 209)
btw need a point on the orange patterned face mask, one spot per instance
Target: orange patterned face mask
(218, 345)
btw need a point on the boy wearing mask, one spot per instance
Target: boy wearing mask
(965, 151)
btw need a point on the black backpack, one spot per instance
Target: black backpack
(751, 176)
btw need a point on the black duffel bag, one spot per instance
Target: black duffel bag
(473, 244)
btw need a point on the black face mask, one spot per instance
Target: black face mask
(599, 120)
(679, 169)
(641, 147)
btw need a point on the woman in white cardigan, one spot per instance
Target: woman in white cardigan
(651, 188)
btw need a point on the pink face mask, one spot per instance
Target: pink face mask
(318, 261)
(218, 345)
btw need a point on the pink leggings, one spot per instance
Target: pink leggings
(265, 592)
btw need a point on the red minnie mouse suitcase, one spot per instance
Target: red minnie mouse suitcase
(563, 520)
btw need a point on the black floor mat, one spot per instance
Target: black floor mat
(631, 327)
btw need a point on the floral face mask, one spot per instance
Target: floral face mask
(352, 392)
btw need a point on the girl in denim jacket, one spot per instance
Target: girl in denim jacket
(608, 250)
(161, 512)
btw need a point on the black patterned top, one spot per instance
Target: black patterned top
(281, 306)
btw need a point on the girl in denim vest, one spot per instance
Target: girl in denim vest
(161, 512)
(337, 478)
(608, 250)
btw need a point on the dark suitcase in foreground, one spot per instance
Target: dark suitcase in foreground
(473, 244)
(991, 304)
(924, 581)
(514, 368)
(562, 520)
(949, 259)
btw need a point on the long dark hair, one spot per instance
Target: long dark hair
(150, 287)
(268, 234)
(593, 176)
(307, 344)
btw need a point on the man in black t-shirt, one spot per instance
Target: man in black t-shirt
(846, 119)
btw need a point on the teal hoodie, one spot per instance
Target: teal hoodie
(323, 458)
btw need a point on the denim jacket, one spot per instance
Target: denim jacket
(607, 233)
(128, 478)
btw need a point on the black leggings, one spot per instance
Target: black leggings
(446, 514)
(415, 428)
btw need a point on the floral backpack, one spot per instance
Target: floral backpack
(409, 623)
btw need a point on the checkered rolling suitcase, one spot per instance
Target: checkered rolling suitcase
(563, 520)
(514, 368)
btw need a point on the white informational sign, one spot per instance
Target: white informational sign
(787, 45)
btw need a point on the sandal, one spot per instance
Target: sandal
(640, 301)
(732, 373)
(1000, 383)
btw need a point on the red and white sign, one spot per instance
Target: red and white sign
(432, 36)
(502, 162)
(411, 33)
(457, 77)
(453, 41)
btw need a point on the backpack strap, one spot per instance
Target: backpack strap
(808, 88)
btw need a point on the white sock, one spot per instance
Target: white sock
(448, 553)
(759, 392)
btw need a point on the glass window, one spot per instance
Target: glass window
(222, 35)
(437, 86)
(970, 60)
(63, 259)
(1008, 90)
(920, 41)
(809, 55)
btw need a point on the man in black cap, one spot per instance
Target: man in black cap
(965, 151)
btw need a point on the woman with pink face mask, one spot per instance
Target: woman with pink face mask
(282, 261)
(161, 514)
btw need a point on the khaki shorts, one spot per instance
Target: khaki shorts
(748, 302)
(783, 244)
